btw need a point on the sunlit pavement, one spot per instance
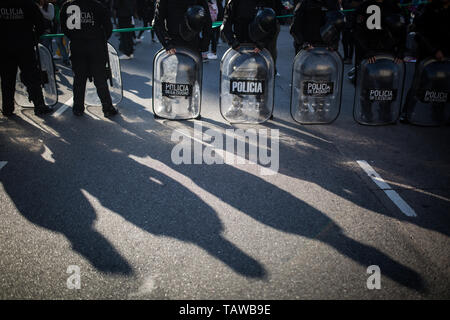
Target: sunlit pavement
(105, 196)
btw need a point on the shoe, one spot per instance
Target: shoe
(42, 109)
(278, 74)
(77, 112)
(211, 56)
(111, 111)
(403, 118)
(126, 57)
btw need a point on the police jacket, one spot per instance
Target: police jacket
(21, 23)
(432, 27)
(239, 14)
(309, 18)
(83, 20)
(387, 39)
(169, 17)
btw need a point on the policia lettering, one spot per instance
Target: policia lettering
(12, 14)
(250, 87)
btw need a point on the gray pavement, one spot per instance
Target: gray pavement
(104, 195)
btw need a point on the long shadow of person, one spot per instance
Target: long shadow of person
(52, 197)
(277, 208)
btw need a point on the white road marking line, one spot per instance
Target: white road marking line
(63, 108)
(394, 196)
(2, 164)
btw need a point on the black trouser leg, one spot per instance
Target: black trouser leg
(126, 39)
(215, 40)
(97, 67)
(31, 76)
(80, 69)
(8, 72)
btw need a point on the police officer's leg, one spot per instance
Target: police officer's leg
(8, 71)
(96, 65)
(32, 79)
(80, 70)
(272, 47)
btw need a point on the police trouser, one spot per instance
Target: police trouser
(272, 48)
(25, 59)
(89, 60)
(126, 38)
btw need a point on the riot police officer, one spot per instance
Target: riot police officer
(239, 14)
(431, 25)
(310, 16)
(171, 26)
(21, 24)
(382, 30)
(87, 23)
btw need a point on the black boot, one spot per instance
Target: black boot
(8, 112)
(110, 111)
(42, 109)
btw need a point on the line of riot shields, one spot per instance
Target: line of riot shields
(247, 82)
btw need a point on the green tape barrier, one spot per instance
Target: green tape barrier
(217, 24)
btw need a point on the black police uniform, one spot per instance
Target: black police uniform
(239, 14)
(146, 11)
(431, 25)
(125, 10)
(309, 18)
(21, 24)
(369, 42)
(88, 44)
(169, 16)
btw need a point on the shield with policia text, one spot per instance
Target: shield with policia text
(114, 81)
(316, 86)
(246, 85)
(428, 103)
(379, 90)
(48, 81)
(177, 84)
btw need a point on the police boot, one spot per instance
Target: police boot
(109, 111)
(8, 112)
(42, 109)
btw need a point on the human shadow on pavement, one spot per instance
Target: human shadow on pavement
(50, 193)
(273, 206)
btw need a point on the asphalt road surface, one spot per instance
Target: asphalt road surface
(104, 195)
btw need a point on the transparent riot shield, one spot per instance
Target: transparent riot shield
(177, 84)
(316, 91)
(379, 90)
(50, 90)
(428, 102)
(246, 85)
(114, 85)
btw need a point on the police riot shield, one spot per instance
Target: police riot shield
(428, 102)
(177, 84)
(316, 91)
(379, 90)
(246, 85)
(114, 83)
(48, 81)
